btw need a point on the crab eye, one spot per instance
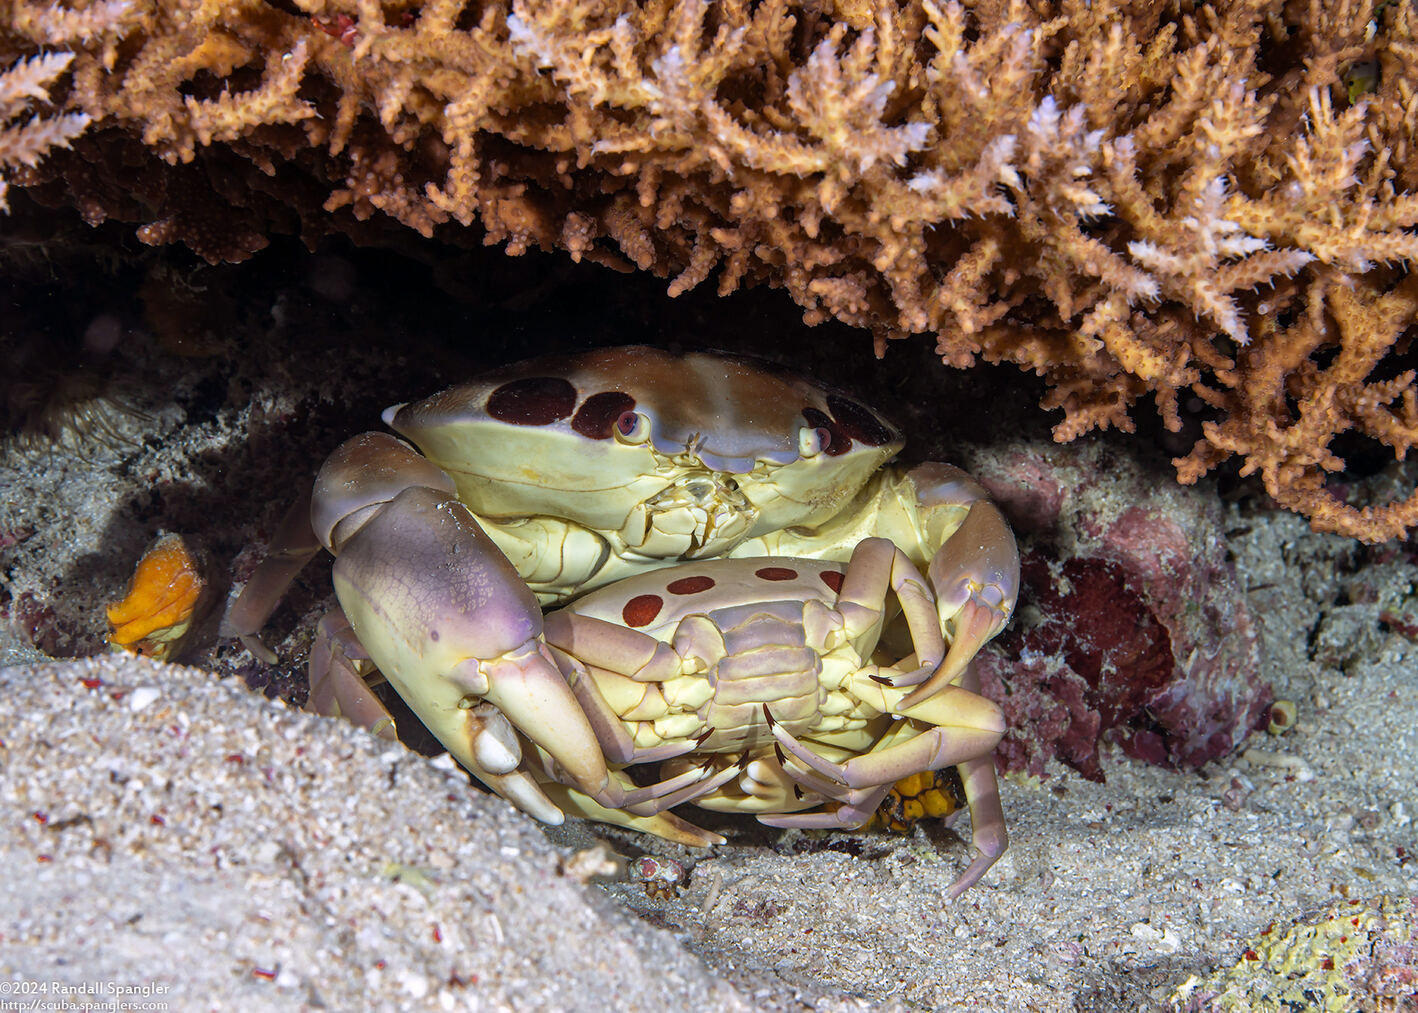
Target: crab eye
(812, 442)
(632, 427)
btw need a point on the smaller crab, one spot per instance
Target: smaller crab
(756, 685)
(663, 877)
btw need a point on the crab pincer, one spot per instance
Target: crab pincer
(974, 571)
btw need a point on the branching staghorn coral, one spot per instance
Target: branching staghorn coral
(25, 144)
(1211, 203)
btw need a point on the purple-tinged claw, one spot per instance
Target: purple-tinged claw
(975, 575)
(526, 686)
(450, 624)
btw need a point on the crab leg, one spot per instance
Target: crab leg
(336, 687)
(763, 786)
(705, 780)
(857, 806)
(988, 833)
(650, 799)
(292, 546)
(967, 725)
(663, 824)
(951, 705)
(987, 826)
(974, 571)
(876, 565)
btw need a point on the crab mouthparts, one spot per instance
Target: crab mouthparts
(699, 515)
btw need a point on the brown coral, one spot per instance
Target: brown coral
(1207, 202)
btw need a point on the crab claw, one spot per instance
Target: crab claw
(975, 575)
(451, 625)
(526, 686)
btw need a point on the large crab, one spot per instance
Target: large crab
(548, 479)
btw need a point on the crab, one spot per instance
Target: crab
(629, 477)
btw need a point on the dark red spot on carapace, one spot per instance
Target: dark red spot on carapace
(776, 573)
(598, 414)
(689, 585)
(833, 579)
(642, 610)
(532, 401)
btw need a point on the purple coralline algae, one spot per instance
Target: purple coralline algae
(1132, 628)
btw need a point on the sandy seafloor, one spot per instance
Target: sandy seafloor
(175, 828)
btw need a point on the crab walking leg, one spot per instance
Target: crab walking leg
(700, 782)
(663, 824)
(987, 828)
(974, 570)
(292, 546)
(625, 794)
(989, 836)
(977, 774)
(762, 785)
(966, 726)
(856, 807)
(336, 687)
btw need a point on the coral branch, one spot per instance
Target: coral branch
(1131, 198)
(25, 144)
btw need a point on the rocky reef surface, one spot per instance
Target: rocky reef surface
(183, 827)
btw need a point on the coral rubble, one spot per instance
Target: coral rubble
(1352, 956)
(1209, 204)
